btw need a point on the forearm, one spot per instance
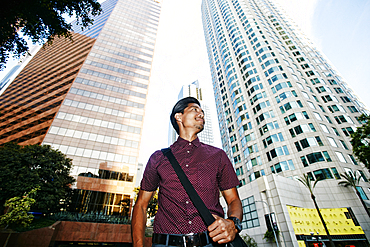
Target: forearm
(235, 209)
(138, 226)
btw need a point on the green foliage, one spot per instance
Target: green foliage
(306, 181)
(351, 180)
(249, 240)
(24, 168)
(153, 203)
(35, 224)
(17, 208)
(40, 21)
(90, 217)
(269, 236)
(360, 141)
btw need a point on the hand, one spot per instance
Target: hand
(222, 230)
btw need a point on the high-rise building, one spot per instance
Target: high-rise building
(193, 90)
(87, 98)
(283, 111)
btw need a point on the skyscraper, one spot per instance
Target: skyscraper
(283, 111)
(87, 99)
(193, 90)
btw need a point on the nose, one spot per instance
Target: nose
(201, 114)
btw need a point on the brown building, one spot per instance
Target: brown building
(87, 98)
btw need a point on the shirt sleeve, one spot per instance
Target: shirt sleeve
(227, 176)
(150, 180)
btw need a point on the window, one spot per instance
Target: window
(273, 138)
(347, 131)
(308, 142)
(352, 109)
(352, 159)
(343, 144)
(280, 86)
(335, 131)
(362, 193)
(328, 119)
(363, 176)
(285, 95)
(290, 105)
(324, 128)
(310, 104)
(279, 151)
(317, 116)
(282, 166)
(332, 142)
(250, 216)
(323, 174)
(335, 172)
(315, 157)
(304, 128)
(269, 126)
(343, 119)
(305, 95)
(296, 116)
(341, 157)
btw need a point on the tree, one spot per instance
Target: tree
(360, 141)
(249, 240)
(17, 208)
(351, 180)
(306, 181)
(153, 203)
(40, 21)
(24, 168)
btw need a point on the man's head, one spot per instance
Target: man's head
(179, 107)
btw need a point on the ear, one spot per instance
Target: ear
(178, 117)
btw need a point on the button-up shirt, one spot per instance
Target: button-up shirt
(208, 169)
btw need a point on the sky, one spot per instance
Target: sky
(338, 28)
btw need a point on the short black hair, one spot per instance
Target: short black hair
(179, 108)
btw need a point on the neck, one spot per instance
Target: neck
(188, 136)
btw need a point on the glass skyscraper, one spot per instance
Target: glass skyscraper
(87, 98)
(283, 111)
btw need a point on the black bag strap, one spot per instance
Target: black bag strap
(194, 197)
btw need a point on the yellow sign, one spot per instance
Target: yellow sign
(307, 220)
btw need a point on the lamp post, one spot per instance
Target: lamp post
(273, 230)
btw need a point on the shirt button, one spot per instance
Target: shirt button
(189, 222)
(187, 165)
(187, 202)
(188, 151)
(189, 143)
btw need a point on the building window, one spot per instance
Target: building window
(250, 216)
(341, 157)
(335, 172)
(362, 193)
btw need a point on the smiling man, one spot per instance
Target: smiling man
(208, 168)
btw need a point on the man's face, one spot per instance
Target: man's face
(193, 117)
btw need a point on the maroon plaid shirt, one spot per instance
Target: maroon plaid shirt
(208, 169)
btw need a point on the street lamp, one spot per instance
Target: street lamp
(273, 230)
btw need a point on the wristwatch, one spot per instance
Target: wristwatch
(238, 224)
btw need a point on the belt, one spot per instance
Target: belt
(187, 240)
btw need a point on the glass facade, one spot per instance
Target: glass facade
(280, 104)
(87, 99)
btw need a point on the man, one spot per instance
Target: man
(208, 169)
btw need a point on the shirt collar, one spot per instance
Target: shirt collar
(182, 142)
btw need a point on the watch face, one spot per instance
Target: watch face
(238, 224)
